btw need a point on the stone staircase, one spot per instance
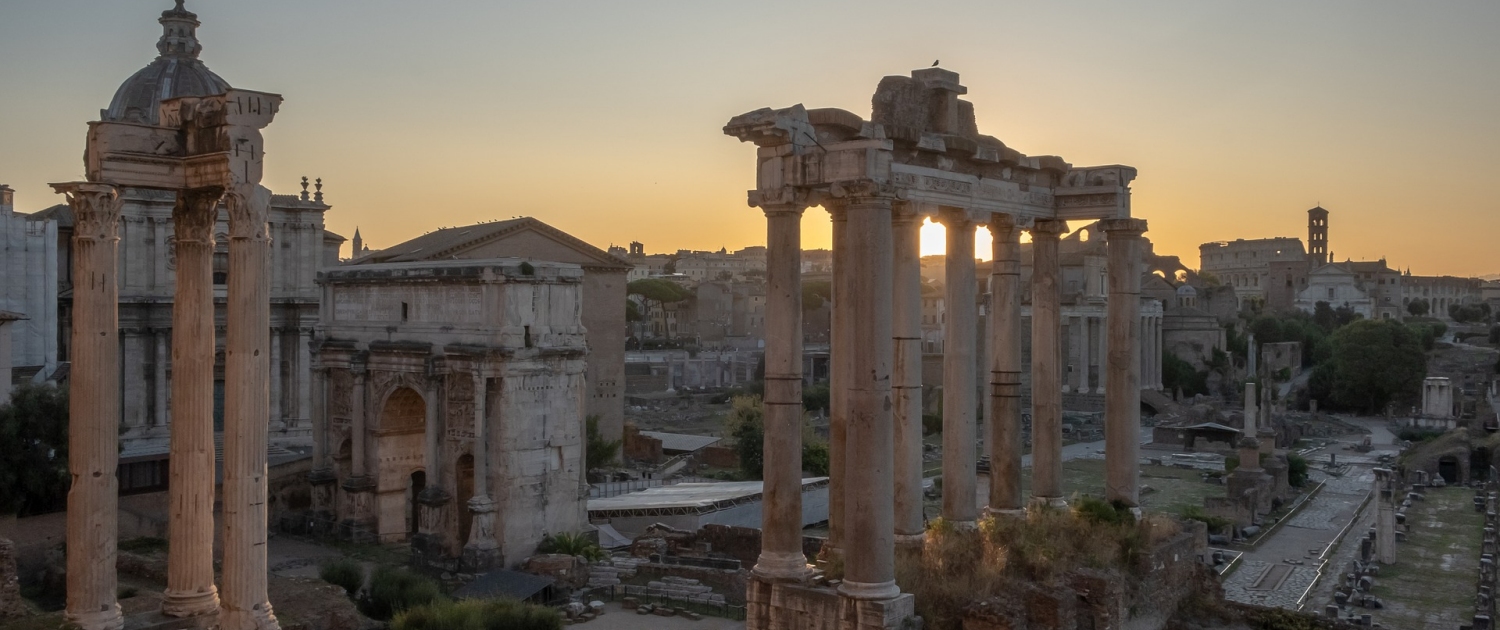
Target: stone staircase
(610, 572)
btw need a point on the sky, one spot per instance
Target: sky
(605, 118)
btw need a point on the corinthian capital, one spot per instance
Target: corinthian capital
(96, 209)
(195, 214)
(249, 206)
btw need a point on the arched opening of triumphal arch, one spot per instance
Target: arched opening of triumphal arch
(400, 437)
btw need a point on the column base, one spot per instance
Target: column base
(258, 617)
(189, 604)
(108, 619)
(911, 540)
(1050, 503)
(479, 559)
(1016, 513)
(781, 567)
(866, 591)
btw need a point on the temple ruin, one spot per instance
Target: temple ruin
(920, 155)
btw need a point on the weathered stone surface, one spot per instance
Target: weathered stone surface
(311, 604)
(12, 606)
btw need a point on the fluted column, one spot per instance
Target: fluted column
(869, 572)
(243, 600)
(838, 381)
(190, 530)
(94, 409)
(482, 549)
(1046, 364)
(960, 435)
(781, 555)
(1005, 366)
(159, 379)
(1122, 403)
(906, 389)
(322, 477)
(277, 401)
(1084, 324)
(304, 378)
(1103, 353)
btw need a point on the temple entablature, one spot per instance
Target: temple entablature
(922, 141)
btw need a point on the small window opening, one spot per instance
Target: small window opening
(527, 337)
(405, 311)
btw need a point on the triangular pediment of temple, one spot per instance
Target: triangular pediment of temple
(523, 237)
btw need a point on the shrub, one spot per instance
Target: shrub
(394, 589)
(932, 423)
(1296, 469)
(478, 614)
(343, 572)
(143, 544)
(1215, 523)
(572, 545)
(598, 452)
(1103, 512)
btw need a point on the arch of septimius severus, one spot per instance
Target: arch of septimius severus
(921, 155)
(208, 151)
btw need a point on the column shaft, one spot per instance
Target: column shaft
(781, 514)
(838, 379)
(357, 424)
(1122, 405)
(960, 437)
(94, 409)
(483, 548)
(278, 405)
(1046, 360)
(906, 390)
(244, 605)
(1084, 324)
(1103, 353)
(1005, 366)
(433, 424)
(869, 526)
(159, 379)
(190, 530)
(304, 378)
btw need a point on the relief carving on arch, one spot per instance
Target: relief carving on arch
(460, 397)
(340, 396)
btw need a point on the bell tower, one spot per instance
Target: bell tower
(1317, 238)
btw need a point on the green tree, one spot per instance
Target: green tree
(1373, 363)
(1179, 374)
(746, 426)
(1419, 307)
(658, 291)
(632, 312)
(34, 451)
(598, 452)
(816, 397)
(814, 293)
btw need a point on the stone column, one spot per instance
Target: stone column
(304, 378)
(960, 437)
(159, 379)
(838, 380)
(482, 549)
(1252, 415)
(1122, 405)
(1084, 324)
(190, 530)
(907, 387)
(277, 400)
(322, 478)
(243, 600)
(1103, 353)
(870, 573)
(94, 409)
(428, 543)
(781, 555)
(1046, 364)
(1005, 367)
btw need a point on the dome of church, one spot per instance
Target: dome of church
(175, 72)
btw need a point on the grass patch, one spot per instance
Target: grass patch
(343, 572)
(1434, 580)
(478, 614)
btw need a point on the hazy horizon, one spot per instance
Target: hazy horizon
(604, 119)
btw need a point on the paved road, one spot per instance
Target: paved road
(1288, 563)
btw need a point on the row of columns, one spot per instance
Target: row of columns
(92, 526)
(875, 494)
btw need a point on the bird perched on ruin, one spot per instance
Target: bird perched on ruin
(935, 62)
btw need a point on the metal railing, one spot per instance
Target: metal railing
(702, 604)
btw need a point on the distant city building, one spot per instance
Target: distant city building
(1441, 292)
(28, 290)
